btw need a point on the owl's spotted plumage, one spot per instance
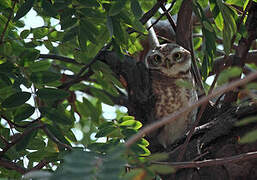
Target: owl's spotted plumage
(167, 64)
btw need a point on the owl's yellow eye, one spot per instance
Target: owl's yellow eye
(177, 56)
(157, 59)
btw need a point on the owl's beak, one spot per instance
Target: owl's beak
(168, 64)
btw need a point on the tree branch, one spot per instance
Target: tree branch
(60, 58)
(7, 23)
(19, 137)
(54, 139)
(211, 162)
(12, 166)
(219, 63)
(174, 116)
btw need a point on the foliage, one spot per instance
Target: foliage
(42, 107)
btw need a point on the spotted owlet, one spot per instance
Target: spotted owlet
(168, 64)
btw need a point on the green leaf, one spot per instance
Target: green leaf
(140, 150)
(105, 131)
(52, 94)
(118, 32)
(43, 77)
(48, 8)
(89, 30)
(218, 19)
(184, 84)
(229, 73)
(24, 9)
(125, 118)
(116, 7)
(82, 37)
(136, 8)
(30, 54)
(36, 143)
(158, 157)
(22, 144)
(249, 137)
(68, 22)
(57, 132)
(25, 33)
(246, 121)
(109, 25)
(16, 99)
(162, 169)
(23, 112)
(89, 3)
(6, 67)
(40, 32)
(70, 34)
(38, 66)
(132, 123)
(7, 49)
(239, 3)
(250, 86)
(55, 115)
(102, 96)
(208, 26)
(92, 110)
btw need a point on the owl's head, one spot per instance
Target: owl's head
(169, 60)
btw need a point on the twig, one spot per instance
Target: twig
(211, 162)
(12, 166)
(40, 165)
(19, 137)
(202, 109)
(174, 116)
(166, 12)
(68, 84)
(60, 58)
(7, 23)
(94, 59)
(20, 126)
(151, 12)
(184, 146)
(54, 139)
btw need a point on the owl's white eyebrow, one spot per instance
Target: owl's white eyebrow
(177, 49)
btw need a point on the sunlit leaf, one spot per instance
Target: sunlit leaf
(131, 123)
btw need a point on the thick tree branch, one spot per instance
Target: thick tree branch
(219, 63)
(174, 116)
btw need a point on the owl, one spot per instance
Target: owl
(168, 64)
